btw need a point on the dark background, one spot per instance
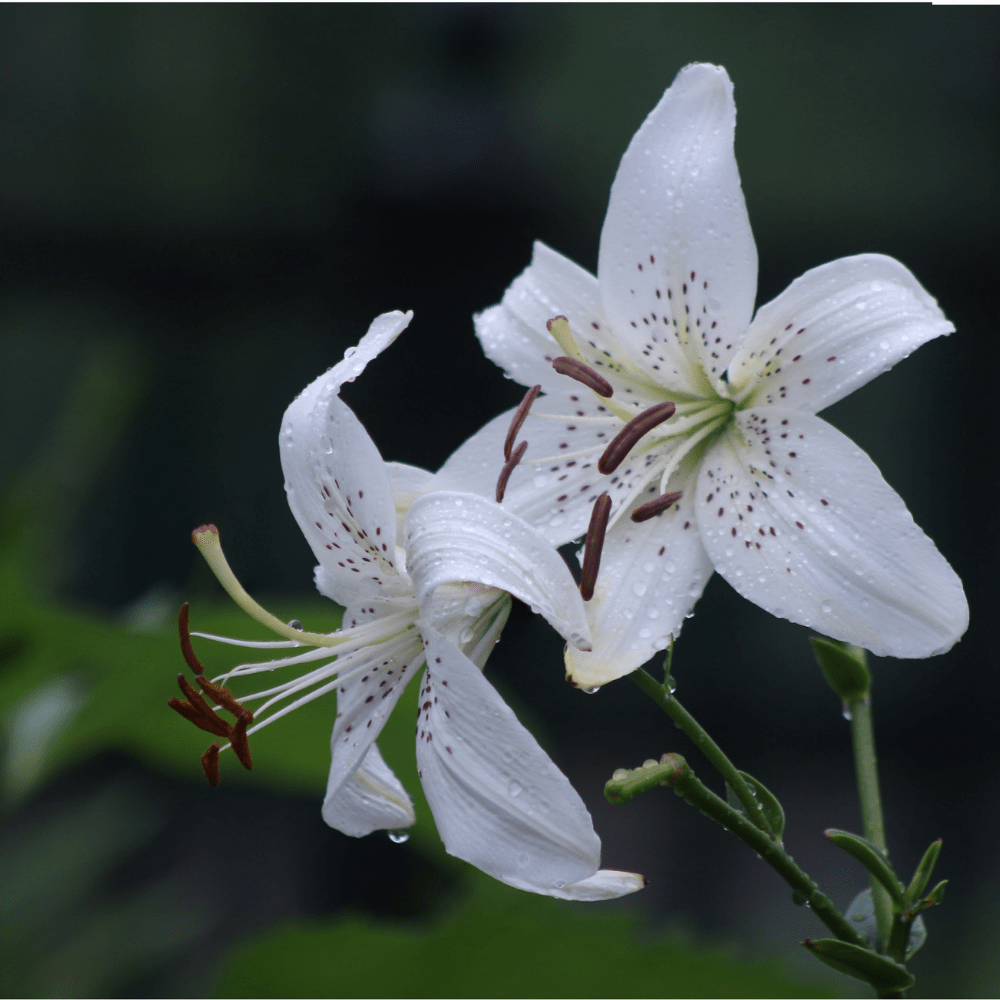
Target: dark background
(206, 205)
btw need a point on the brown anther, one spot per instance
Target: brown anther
(647, 510)
(210, 763)
(189, 658)
(520, 415)
(508, 468)
(238, 738)
(196, 710)
(630, 435)
(223, 697)
(593, 545)
(584, 374)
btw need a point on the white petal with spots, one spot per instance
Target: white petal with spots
(461, 537)
(833, 330)
(798, 519)
(364, 702)
(373, 798)
(337, 484)
(499, 801)
(677, 258)
(650, 577)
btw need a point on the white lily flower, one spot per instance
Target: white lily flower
(740, 476)
(424, 574)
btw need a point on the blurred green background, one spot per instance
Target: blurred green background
(201, 208)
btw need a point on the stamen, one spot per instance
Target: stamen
(223, 697)
(630, 435)
(520, 415)
(508, 468)
(186, 649)
(558, 326)
(593, 545)
(210, 763)
(240, 743)
(647, 510)
(196, 710)
(584, 374)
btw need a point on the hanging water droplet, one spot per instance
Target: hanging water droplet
(399, 836)
(514, 788)
(846, 713)
(590, 690)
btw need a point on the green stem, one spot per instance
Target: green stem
(866, 768)
(771, 850)
(694, 792)
(690, 727)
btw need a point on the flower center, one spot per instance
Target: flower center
(346, 653)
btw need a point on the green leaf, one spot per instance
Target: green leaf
(923, 873)
(844, 668)
(767, 803)
(500, 943)
(885, 975)
(872, 858)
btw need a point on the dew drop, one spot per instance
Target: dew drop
(826, 607)
(399, 836)
(620, 774)
(846, 713)
(297, 625)
(650, 763)
(591, 690)
(473, 606)
(514, 789)
(639, 588)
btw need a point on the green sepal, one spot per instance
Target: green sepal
(844, 668)
(872, 858)
(769, 806)
(885, 975)
(923, 873)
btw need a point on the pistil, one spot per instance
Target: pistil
(593, 545)
(631, 434)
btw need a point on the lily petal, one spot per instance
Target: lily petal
(514, 333)
(373, 798)
(455, 537)
(337, 484)
(499, 801)
(805, 526)
(649, 580)
(833, 330)
(606, 884)
(364, 703)
(678, 265)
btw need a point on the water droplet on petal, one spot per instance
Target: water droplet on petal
(399, 836)
(514, 788)
(826, 607)
(590, 690)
